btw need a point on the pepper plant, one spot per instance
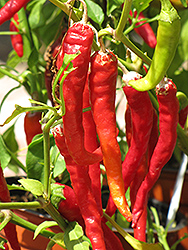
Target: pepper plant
(78, 56)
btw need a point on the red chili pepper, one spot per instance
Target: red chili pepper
(102, 84)
(79, 38)
(111, 240)
(9, 229)
(32, 125)
(140, 106)
(81, 183)
(140, 229)
(16, 40)
(11, 8)
(91, 144)
(69, 209)
(145, 31)
(64, 199)
(168, 120)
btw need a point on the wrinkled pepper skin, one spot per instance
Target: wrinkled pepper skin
(168, 120)
(91, 144)
(140, 106)
(102, 85)
(16, 40)
(79, 38)
(9, 229)
(81, 183)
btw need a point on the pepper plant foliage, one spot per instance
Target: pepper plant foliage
(42, 24)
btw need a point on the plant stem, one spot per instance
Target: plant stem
(133, 48)
(124, 16)
(7, 73)
(14, 157)
(52, 211)
(66, 9)
(20, 205)
(46, 144)
(122, 38)
(27, 225)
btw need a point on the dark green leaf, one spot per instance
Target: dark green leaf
(35, 159)
(33, 186)
(10, 140)
(74, 237)
(33, 58)
(184, 2)
(183, 46)
(95, 12)
(4, 155)
(141, 5)
(112, 5)
(36, 18)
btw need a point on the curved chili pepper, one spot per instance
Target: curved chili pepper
(16, 40)
(32, 125)
(79, 38)
(9, 229)
(168, 120)
(168, 34)
(145, 31)
(91, 144)
(102, 85)
(81, 183)
(140, 105)
(11, 8)
(140, 229)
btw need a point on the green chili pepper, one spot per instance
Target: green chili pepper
(168, 34)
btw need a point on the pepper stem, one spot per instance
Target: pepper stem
(85, 15)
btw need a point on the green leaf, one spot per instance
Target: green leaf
(73, 238)
(20, 110)
(33, 186)
(183, 46)
(95, 12)
(36, 18)
(35, 159)
(42, 226)
(141, 5)
(10, 139)
(33, 58)
(184, 3)
(112, 5)
(59, 167)
(4, 155)
(58, 239)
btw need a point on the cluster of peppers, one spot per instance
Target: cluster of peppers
(76, 137)
(91, 87)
